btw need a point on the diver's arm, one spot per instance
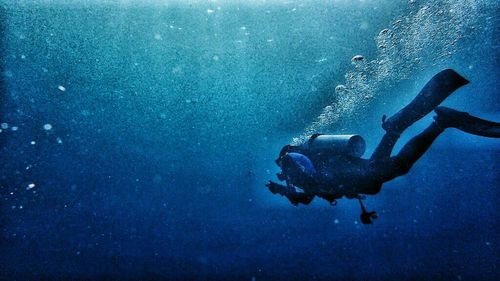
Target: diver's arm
(295, 197)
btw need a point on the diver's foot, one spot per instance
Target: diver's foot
(450, 118)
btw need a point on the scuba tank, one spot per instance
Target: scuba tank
(329, 145)
(351, 145)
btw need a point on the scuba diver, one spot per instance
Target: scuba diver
(331, 167)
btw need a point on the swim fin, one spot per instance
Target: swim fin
(448, 117)
(441, 86)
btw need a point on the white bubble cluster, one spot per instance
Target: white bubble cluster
(427, 35)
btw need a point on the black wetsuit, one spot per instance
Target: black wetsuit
(348, 176)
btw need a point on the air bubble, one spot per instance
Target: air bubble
(357, 58)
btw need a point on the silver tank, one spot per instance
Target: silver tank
(353, 145)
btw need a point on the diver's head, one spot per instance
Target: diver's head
(297, 169)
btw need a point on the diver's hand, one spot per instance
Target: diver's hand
(368, 217)
(275, 187)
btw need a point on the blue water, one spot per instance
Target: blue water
(137, 137)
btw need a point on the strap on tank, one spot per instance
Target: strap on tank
(312, 138)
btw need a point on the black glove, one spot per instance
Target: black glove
(366, 217)
(275, 187)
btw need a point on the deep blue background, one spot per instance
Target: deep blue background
(172, 117)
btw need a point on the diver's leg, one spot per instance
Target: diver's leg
(417, 146)
(384, 148)
(434, 92)
(409, 154)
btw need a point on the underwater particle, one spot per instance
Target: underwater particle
(61, 88)
(45, 69)
(157, 179)
(30, 186)
(205, 189)
(23, 57)
(33, 142)
(177, 69)
(215, 58)
(14, 128)
(270, 40)
(336, 221)
(0, 130)
(412, 1)
(59, 140)
(364, 25)
(188, 101)
(47, 127)
(357, 58)
(243, 28)
(202, 259)
(157, 36)
(340, 88)
(4, 126)
(321, 60)
(8, 74)
(210, 11)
